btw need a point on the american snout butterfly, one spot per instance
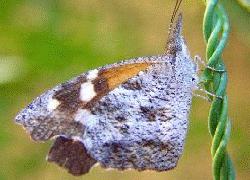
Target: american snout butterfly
(131, 114)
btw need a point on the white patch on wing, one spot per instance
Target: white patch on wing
(87, 91)
(52, 104)
(92, 74)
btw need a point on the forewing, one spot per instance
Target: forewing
(53, 113)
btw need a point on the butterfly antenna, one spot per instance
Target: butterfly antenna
(176, 8)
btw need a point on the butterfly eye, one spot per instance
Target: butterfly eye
(193, 79)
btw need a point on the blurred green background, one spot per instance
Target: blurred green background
(43, 43)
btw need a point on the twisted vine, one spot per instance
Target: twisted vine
(215, 30)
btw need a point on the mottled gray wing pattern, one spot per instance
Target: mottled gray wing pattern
(131, 114)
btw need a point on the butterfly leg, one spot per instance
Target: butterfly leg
(198, 60)
(202, 96)
(209, 93)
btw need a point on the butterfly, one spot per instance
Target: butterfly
(130, 114)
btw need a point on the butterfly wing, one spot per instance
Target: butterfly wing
(122, 115)
(53, 112)
(132, 114)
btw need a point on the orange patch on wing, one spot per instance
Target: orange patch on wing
(109, 79)
(118, 75)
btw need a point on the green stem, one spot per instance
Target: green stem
(216, 30)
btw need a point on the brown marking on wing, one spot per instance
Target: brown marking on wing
(109, 79)
(71, 155)
(69, 95)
